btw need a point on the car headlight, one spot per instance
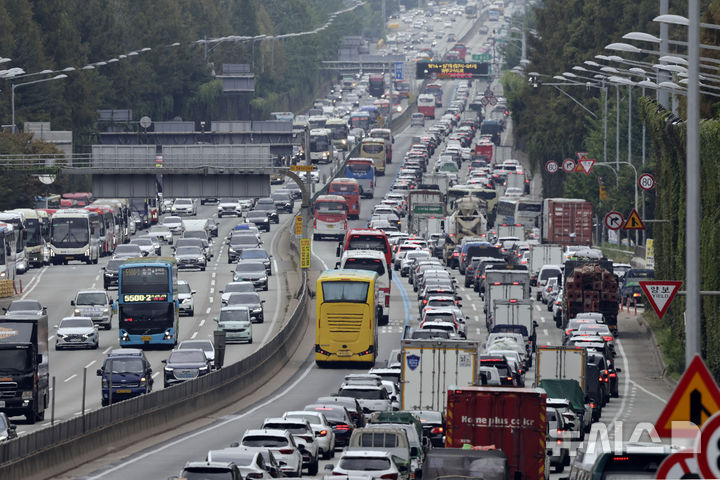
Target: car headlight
(61, 335)
(203, 369)
(77, 311)
(27, 395)
(104, 382)
(231, 250)
(3, 274)
(257, 310)
(169, 369)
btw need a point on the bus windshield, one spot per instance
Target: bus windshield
(529, 207)
(34, 232)
(348, 292)
(338, 131)
(319, 143)
(359, 168)
(70, 232)
(373, 148)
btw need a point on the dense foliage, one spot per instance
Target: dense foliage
(551, 126)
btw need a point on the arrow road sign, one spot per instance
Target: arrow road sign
(614, 220)
(552, 166)
(646, 181)
(568, 165)
(660, 293)
(587, 164)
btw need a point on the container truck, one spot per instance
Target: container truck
(567, 221)
(590, 286)
(512, 419)
(505, 282)
(424, 205)
(562, 363)
(441, 179)
(24, 365)
(429, 367)
(515, 312)
(543, 254)
(511, 230)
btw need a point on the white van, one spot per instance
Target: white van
(373, 260)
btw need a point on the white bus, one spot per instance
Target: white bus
(37, 227)
(322, 149)
(375, 261)
(72, 237)
(17, 220)
(7, 252)
(519, 211)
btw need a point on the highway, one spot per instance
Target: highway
(642, 392)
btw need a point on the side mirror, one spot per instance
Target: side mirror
(216, 320)
(99, 372)
(414, 451)
(39, 358)
(72, 302)
(301, 447)
(220, 291)
(193, 292)
(535, 323)
(262, 301)
(329, 467)
(164, 361)
(618, 370)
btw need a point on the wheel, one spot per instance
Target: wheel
(57, 348)
(202, 269)
(229, 260)
(316, 237)
(104, 402)
(96, 260)
(96, 346)
(192, 312)
(249, 341)
(30, 417)
(313, 468)
(265, 289)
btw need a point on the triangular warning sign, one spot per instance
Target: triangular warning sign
(578, 167)
(633, 222)
(586, 164)
(694, 401)
(660, 293)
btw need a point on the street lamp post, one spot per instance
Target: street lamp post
(16, 85)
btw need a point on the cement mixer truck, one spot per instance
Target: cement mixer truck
(469, 219)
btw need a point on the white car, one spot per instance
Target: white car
(303, 434)
(77, 332)
(281, 444)
(324, 435)
(205, 345)
(250, 462)
(161, 232)
(373, 463)
(174, 224)
(127, 251)
(184, 206)
(185, 297)
(235, 287)
(147, 247)
(374, 398)
(229, 206)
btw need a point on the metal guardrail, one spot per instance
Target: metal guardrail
(82, 437)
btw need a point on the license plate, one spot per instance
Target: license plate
(344, 353)
(124, 390)
(146, 338)
(69, 258)
(331, 226)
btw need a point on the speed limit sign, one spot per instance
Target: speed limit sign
(552, 166)
(569, 165)
(646, 181)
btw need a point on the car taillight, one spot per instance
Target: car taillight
(567, 332)
(437, 430)
(322, 433)
(456, 254)
(613, 375)
(345, 224)
(390, 476)
(287, 451)
(608, 338)
(592, 404)
(343, 427)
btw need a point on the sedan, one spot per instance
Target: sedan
(161, 232)
(174, 224)
(259, 218)
(238, 243)
(258, 255)
(191, 257)
(252, 271)
(235, 287)
(25, 307)
(77, 332)
(147, 247)
(252, 301)
(128, 251)
(206, 345)
(185, 297)
(229, 206)
(185, 365)
(250, 463)
(378, 464)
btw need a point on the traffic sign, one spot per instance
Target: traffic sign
(646, 181)
(614, 220)
(695, 399)
(484, 101)
(298, 225)
(660, 293)
(398, 70)
(581, 155)
(301, 168)
(569, 165)
(493, 101)
(678, 465)
(586, 164)
(708, 457)
(633, 222)
(551, 166)
(304, 253)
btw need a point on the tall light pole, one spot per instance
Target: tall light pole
(16, 85)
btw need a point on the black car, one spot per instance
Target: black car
(259, 255)
(252, 301)
(238, 243)
(203, 201)
(110, 272)
(260, 218)
(253, 271)
(184, 365)
(339, 418)
(267, 205)
(7, 429)
(283, 201)
(433, 424)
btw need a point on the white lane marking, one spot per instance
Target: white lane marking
(212, 282)
(213, 275)
(277, 295)
(194, 335)
(203, 431)
(36, 282)
(626, 382)
(51, 337)
(70, 377)
(275, 269)
(155, 374)
(207, 312)
(325, 267)
(89, 364)
(542, 319)
(97, 277)
(664, 400)
(210, 300)
(107, 350)
(212, 291)
(477, 318)
(474, 307)
(93, 286)
(545, 332)
(537, 307)
(202, 322)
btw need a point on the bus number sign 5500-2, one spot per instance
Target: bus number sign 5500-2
(145, 297)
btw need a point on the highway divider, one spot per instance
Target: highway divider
(67, 444)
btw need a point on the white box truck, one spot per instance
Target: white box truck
(515, 312)
(429, 367)
(561, 363)
(543, 255)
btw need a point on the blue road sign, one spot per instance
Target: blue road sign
(398, 70)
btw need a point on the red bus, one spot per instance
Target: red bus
(330, 217)
(77, 199)
(366, 239)
(435, 89)
(350, 189)
(376, 85)
(461, 49)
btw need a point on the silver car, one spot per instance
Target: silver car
(95, 304)
(229, 206)
(281, 444)
(77, 332)
(184, 206)
(235, 287)
(161, 232)
(185, 297)
(205, 345)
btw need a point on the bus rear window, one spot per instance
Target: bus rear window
(372, 264)
(367, 242)
(359, 168)
(343, 187)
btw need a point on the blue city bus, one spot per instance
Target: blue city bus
(362, 170)
(148, 308)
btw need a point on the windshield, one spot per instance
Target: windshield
(24, 306)
(235, 315)
(184, 288)
(342, 291)
(309, 417)
(127, 249)
(244, 298)
(246, 267)
(367, 242)
(530, 207)
(124, 365)
(249, 253)
(204, 345)
(70, 232)
(207, 474)
(338, 131)
(364, 464)
(15, 360)
(34, 232)
(145, 279)
(261, 215)
(239, 287)
(141, 241)
(189, 251)
(364, 394)
(373, 148)
(172, 220)
(91, 299)
(195, 234)
(187, 356)
(421, 334)
(76, 323)
(293, 428)
(264, 441)
(281, 197)
(114, 264)
(372, 264)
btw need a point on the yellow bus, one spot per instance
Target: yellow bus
(347, 313)
(374, 148)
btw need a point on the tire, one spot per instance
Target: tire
(96, 346)
(250, 341)
(202, 269)
(192, 313)
(104, 402)
(265, 289)
(313, 468)
(30, 417)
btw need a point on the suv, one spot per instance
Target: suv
(185, 365)
(95, 304)
(128, 372)
(303, 434)
(214, 470)
(184, 206)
